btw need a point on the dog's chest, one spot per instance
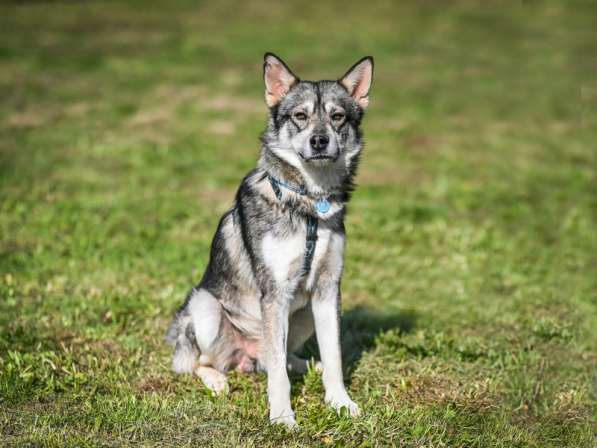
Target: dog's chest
(285, 256)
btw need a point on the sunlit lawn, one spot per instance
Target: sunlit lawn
(470, 290)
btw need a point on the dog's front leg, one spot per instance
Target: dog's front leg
(326, 314)
(275, 318)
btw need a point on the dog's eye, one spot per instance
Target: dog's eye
(300, 116)
(337, 116)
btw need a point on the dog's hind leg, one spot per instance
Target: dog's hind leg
(299, 366)
(206, 315)
(301, 328)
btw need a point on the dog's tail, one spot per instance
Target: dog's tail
(180, 334)
(172, 332)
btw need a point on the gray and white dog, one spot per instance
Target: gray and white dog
(277, 257)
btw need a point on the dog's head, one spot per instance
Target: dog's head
(315, 125)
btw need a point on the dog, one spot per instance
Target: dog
(276, 260)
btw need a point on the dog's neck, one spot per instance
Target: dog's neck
(280, 169)
(319, 182)
(282, 184)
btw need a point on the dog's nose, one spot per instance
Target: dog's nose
(319, 142)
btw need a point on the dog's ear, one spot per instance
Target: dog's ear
(357, 80)
(278, 79)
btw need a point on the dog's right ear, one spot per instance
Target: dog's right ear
(357, 80)
(278, 79)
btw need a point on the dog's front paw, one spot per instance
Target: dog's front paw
(343, 401)
(287, 420)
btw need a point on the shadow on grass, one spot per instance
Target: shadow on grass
(360, 326)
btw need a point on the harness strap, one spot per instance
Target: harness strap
(312, 222)
(276, 188)
(311, 242)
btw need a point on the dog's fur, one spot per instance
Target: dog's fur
(255, 305)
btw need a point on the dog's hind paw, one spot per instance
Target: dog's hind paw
(212, 379)
(317, 366)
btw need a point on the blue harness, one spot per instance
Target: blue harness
(321, 205)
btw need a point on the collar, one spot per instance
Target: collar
(322, 205)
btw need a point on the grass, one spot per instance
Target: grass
(470, 294)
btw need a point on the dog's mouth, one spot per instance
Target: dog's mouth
(318, 158)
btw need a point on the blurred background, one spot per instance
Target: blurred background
(470, 291)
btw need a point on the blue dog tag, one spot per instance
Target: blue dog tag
(323, 205)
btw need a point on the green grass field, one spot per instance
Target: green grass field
(470, 289)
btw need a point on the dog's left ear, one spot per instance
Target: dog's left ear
(278, 79)
(357, 80)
